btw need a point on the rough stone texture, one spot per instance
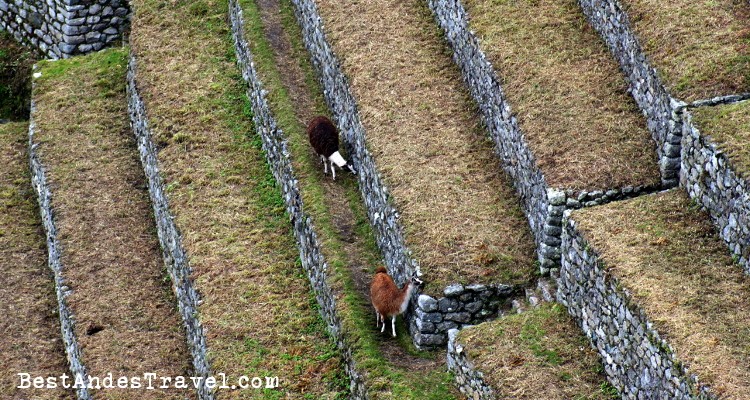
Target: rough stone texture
(636, 360)
(277, 155)
(64, 28)
(660, 109)
(461, 306)
(710, 179)
(543, 205)
(470, 381)
(67, 320)
(170, 238)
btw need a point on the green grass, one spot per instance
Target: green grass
(729, 126)
(540, 353)
(382, 379)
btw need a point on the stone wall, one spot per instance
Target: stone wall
(710, 179)
(277, 155)
(170, 238)
(470, 380)
(661, 110)
(67, 320)
(64, 28)
(636, 360)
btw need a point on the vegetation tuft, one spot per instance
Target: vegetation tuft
(15, 78)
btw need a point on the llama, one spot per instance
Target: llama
(324, 139)
(388, 299)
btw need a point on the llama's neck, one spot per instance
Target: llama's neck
(406, 292)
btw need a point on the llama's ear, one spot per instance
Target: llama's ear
(416, 280)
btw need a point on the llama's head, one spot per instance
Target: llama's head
(415, 281)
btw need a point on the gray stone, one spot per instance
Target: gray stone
(446, 305)
(427, 303)
(462, 317)
(453, 290)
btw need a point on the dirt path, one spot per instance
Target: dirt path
(29, 330)
(337, 202)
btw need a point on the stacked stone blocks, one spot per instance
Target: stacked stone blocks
(65, 28)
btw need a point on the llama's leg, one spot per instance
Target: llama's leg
(393, 325)
(325, 165)
(333, 171)
(382, 319)
(377, 319)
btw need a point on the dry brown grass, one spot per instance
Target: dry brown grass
(110, 250)
(461, 215)
(568, 94)
(729, 127)
(29, 329)
(540, 354)
(677, 269)
(257, 302)
(701, 49)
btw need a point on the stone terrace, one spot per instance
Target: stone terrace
(659, 295)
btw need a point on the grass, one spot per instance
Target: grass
(729, 126)
(700, 49)
(257, 306)
(15, 78)
(668, 256)
(570, 98)
(126, 319)
(292, 93)
(31, 330)
(538, 354)
(460, 214)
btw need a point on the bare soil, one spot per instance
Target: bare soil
(30, 339)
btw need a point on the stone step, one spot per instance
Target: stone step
(660, 297)
(30, 343)
(125, 319)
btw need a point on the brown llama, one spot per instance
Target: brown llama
(324, 139)
(388, 299)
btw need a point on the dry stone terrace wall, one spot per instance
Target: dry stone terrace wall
(170, 238)
(67, 320)
(543, 205)
(660, 109)
(710, 179)
(636, 360)
(470, 381)
(64, 28)
(277, 155)
(430, 322)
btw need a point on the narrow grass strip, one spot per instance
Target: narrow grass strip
(382, 379)
(126, 323)
(30, 342)
(729, 126)
(257, 309)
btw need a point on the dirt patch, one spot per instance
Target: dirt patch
(260, 315)
(30, 341)
(126, 320)
(570, 98)
(700, 49)
(668, 256)
(461, 215)
(540, 354)
(729, 127)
